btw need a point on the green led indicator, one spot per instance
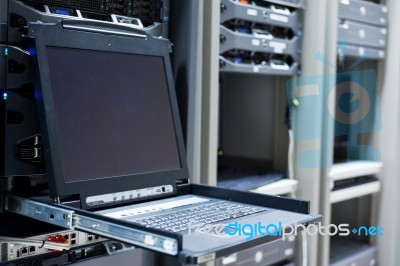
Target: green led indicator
(5, 51)
(85, 252)
(5, 96)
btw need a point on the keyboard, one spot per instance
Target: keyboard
(176, 221)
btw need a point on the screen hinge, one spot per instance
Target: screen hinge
(182, 182)
(70, 201)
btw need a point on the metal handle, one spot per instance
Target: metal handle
(282, 66)
(104, 27)
(142, 238)
(283, 11)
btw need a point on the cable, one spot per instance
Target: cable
(288, 122)
(304, 248)
(290, 155)
(290, 149)
(37, 243)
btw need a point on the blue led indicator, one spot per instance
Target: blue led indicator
(5, 51)
(5, 95)
(63, 12)
(32, 51)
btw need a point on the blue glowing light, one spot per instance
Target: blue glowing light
(32, 51)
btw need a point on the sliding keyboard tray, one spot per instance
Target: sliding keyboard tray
(174, 244)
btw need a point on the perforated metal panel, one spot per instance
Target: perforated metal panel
(361, 34)
(283, 17)
(267, 254)
(363, 11)
(269, 68)
(366, 256)
(87, 4)
(148, 11)
(231, 40)
(360, 51)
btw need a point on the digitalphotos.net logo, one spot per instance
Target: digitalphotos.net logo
(349, 98)
(260, 229)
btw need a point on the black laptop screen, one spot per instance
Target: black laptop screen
(113, 114)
